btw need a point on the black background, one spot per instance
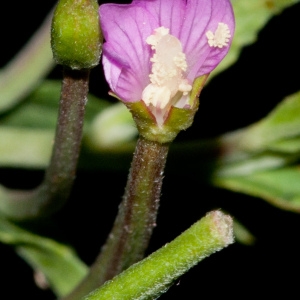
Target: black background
(246, 92)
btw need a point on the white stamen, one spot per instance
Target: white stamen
(180, 61)
(158, 34)
(184, 87)
(167, 73)
(221, 36)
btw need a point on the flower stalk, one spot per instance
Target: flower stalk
(136, 218)
(62, 169)
(56, 186)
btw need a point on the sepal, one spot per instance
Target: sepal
(178, 118)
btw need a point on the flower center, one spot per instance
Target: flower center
(167, 73)
(221, 36)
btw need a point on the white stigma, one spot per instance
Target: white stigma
(221, 36)
(167, 79)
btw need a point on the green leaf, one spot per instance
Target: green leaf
(272, 142)
(257, 160)
(112, 130)
(29, 148)
(59, 263)
(262, 157)
(282, 124)
(242, 234)
(279, 187)
(21, 75)
(250, 16)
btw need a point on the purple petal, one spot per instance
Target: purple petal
(170, 13)
(200, 17)
(126, 55)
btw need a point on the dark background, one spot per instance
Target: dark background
(246, 92)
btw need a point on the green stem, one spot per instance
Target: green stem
(136, 219)
(151, 277)
(59, 177)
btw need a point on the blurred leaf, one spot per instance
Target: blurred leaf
(278, 187)
(27, 131)
(29, 148)
(270, 143)
(250, 16)
(112, 130)
(278, 129)
(258, 160)
(59, 263)
(242, 234)
(40, 109)
(261, 157)
(21, 75)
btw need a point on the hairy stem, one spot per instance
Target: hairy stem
(136, 219)
(151, 277)
(55, 189)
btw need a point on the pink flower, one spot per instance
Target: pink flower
(155, 49)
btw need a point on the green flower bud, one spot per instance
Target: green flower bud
(76, 37)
